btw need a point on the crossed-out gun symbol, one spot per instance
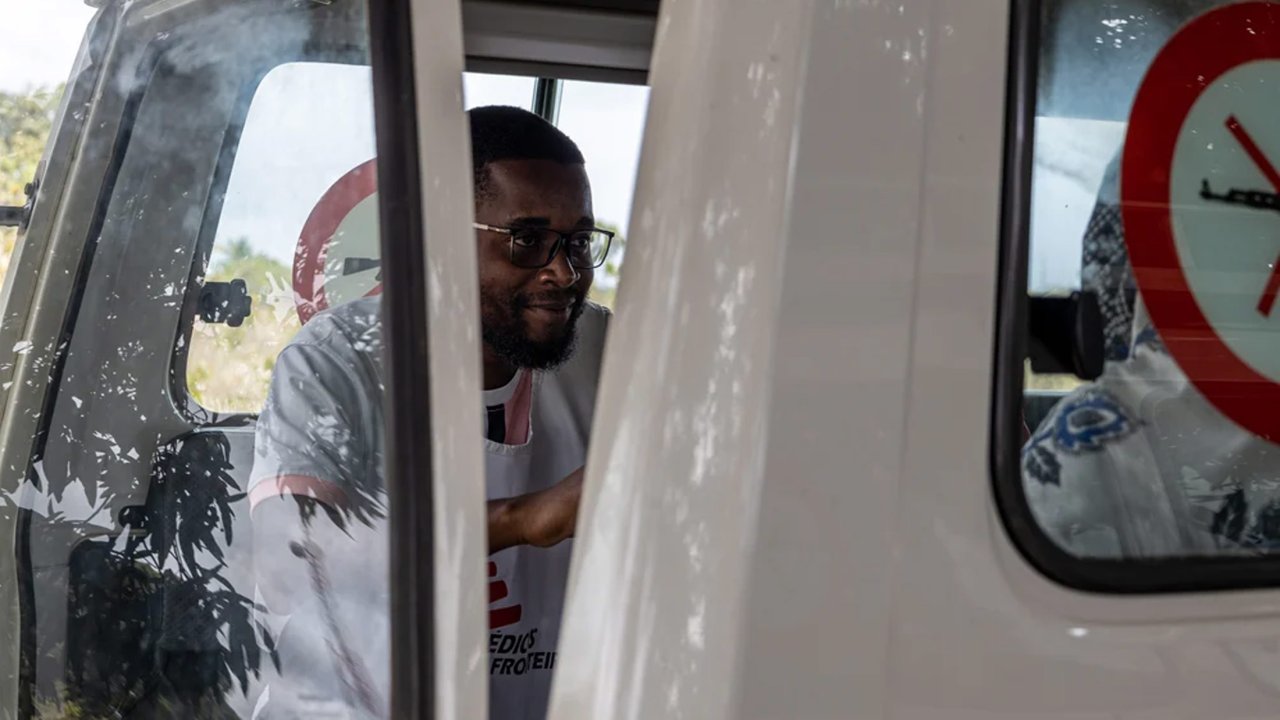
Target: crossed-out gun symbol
(1254, 199)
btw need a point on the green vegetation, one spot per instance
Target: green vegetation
(25, 122)
(229, 369)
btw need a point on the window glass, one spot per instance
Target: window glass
(480, 89)
(169, 567)
(309, 124)
(1152, 275)
(309, 127)
(607, 123)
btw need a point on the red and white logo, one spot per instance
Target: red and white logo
(500, 617)
(1200, 195)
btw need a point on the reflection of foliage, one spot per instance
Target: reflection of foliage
(191, 521)
(155, 626)
(25, 122)
(229, 369)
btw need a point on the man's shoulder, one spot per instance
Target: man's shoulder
(355, 326)
(595, 321)
(581, 372)
(593, 325)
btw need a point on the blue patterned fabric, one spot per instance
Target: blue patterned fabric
(1082, 423)
(1104, 266)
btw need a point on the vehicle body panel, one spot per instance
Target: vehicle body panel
(789, 508)
(666, 523)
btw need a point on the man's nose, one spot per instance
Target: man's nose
(559, 272)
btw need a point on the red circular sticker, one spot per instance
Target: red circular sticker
(1200, 194)
(338, 255)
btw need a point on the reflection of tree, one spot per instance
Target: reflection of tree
(157, 627)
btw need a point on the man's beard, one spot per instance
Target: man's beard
(506, 331)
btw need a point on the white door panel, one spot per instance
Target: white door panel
(461, 669)
(820, 596)
(651, 623)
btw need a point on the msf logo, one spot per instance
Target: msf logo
(502, 616)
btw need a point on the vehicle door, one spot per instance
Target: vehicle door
(162, 270)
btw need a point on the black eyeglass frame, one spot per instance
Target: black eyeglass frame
(562, 239)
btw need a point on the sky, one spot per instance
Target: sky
(42, 42)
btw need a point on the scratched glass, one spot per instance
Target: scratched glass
(228, 557)
(1154, 331)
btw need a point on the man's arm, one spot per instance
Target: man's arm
(282, 526)
(327, 571)
(540, 519)
(320, 545)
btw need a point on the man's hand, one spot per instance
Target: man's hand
(542, 519)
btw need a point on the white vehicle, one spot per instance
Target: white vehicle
(872, 246)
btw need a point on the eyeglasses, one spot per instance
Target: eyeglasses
(535, 247)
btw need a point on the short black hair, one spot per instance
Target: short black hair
(502, 132)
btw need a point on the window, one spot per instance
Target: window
(1146, 297)
(480, 89)
(309, 127)
(309, 124)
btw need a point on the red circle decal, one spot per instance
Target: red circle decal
(309, 261)
(1200, 195)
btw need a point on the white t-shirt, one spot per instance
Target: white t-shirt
(527, 584)
(323, 421)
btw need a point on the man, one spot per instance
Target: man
(317, 488)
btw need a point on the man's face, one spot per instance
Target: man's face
(528, 315)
